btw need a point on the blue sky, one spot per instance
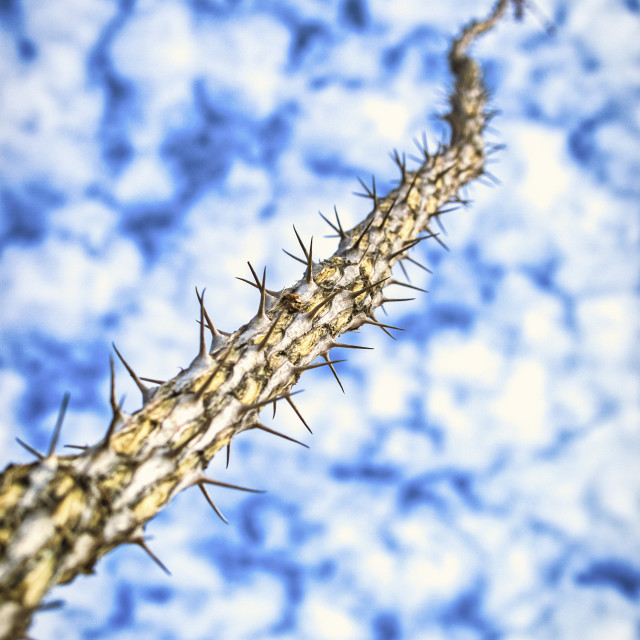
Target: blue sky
(477, 478)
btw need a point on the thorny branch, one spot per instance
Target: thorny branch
(61, 513)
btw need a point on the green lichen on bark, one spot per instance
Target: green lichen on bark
(61, 514)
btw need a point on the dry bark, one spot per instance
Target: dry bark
(61, 513)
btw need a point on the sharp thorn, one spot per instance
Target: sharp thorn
(254, 274)
(404, 271)
(421, 238)
(214, 373)
(494, 148)
(366, 229)
(492, 177)
(437, 239)
(309, 274)
(330, 364)
(342, 345)
(425, 146)
(56, 431)
(210, 501)
(153, 380)
(367, 193)
(49, 606)
(422, 147)
(263, 342)
(203, 310)
(491, 114)
(304, 249)
(221, 334)
(228, 452)
(441, 212)
(308, 261)
(405, 247)
(484, 182)
(263, 294)
(331, 225)
(355, 294)
(253, 284)
(30, 449)
(412, 243)
(341, 231)
(385, 300)
(408, 286)
(401, 162)
(115, 408)
(317, 365)
(260, 285)
(116, 412)
(310, 314)
(143, 389)
(226, 485)
(262, 403)
(216, 336)
(382, 325)
(263, 290)
(412, 185)
(202, 352)
(418, 264)
(293, 406)
(389, 210)
(463, 201)
(383, 329)
(295, 257)
(259, 425)
(141, 543)
(440, 225)
(338, 229)
(271, 292)
(82, 447)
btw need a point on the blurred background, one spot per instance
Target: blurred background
(479, 477)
